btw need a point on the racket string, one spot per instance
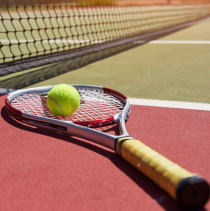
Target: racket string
(95, 105)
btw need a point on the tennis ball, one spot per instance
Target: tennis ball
(63, 100)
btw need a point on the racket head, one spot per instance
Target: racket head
(99, 106)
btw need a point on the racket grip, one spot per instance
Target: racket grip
(189, 190)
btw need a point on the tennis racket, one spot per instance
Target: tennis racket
(103, 107)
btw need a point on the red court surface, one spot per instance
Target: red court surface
(42, 170)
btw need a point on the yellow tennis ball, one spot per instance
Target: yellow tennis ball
(63, 100)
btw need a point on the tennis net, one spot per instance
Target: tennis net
(39, 32)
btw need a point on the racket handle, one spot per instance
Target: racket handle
(189, 190)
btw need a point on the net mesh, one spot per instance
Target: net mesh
(35, 33)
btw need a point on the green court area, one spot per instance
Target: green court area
(170, 71)
(177, 71)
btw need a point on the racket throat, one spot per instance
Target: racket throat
(119, 142)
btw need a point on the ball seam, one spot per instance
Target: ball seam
(57, 104)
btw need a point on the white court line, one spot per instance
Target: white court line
(170, 104)
(191, 42)
(154, 103)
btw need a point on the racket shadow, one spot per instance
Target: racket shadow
(142, 181)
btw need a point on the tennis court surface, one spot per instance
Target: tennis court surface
(155, 53)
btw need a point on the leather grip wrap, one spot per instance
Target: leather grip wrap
(186, 188)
